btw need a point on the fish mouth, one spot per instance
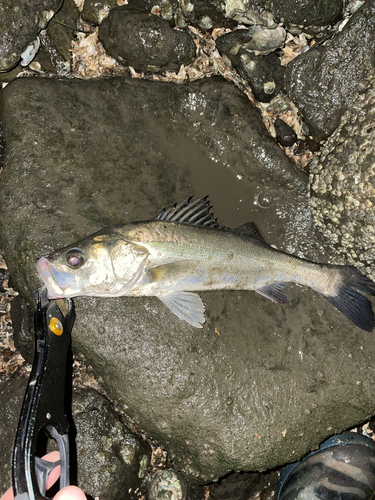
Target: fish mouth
(49, 277)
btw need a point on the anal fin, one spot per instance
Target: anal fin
(274, 292)
(186, 306)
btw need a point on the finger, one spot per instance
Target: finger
(54, 456)
(8, 495)
(70, 493)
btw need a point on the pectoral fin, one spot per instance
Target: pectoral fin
(274, 292)
(186, 305)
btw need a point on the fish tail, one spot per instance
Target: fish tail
(348, 298)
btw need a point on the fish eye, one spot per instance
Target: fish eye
(75, 258)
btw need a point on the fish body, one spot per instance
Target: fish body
(185, 250)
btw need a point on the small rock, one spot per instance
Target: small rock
(94, 11)
(22, 323)
(266, 41)
(324, 81)
(165, 485)
(145, 41)
(264, 73)
(285, 135)
(20, 24)
(204, 14)
(4, 276)
(295, 14)
(60, 32)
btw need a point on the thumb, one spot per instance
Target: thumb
(70, 493)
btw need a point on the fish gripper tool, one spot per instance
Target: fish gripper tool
(45, 405)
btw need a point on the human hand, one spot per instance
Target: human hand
(68, 493)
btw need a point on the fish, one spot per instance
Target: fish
(185, 250)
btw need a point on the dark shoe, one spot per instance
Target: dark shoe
(342, 469)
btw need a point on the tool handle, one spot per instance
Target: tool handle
(44, 405)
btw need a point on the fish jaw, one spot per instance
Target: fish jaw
(51, 277)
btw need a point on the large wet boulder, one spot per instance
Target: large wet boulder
(324, 81)
(342, 181)
(20, 24)
(261, 384)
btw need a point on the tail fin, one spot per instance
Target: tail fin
(350, 302)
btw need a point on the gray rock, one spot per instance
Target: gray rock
(22, 325)
(112, 461)
(293, 13)
(144, 41)
(261, 384)
(266, 41)
(205, 14)
(243, 486)
(95, 11)
(109, 457)
(264, 73)
(285, 135)
(20, 24)
(56, 41)
(324, 81)
(168, 485)
(342, 182)
(11, 397)
(61, 31)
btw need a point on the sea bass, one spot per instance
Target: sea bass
(184, 250)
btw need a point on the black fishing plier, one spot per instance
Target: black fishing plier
(44, 407)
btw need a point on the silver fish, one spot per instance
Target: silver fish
(184, 250)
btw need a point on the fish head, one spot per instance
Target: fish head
(100, 265)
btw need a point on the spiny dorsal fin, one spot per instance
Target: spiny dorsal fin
(250, 229)
(191, 212)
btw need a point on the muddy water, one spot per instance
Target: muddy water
(239, 195)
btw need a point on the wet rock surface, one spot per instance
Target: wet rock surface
(342, 184)
(20, 24)
(142, 40)
(56, 40)
(246, 391)
(111, 459)
(324, 81)
(295, 13)
(95, 11)
(264, 73)
(245, 486)
(11, 397)
(205, 14)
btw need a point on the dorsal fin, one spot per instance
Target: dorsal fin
(250, 229)
(191, 212)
